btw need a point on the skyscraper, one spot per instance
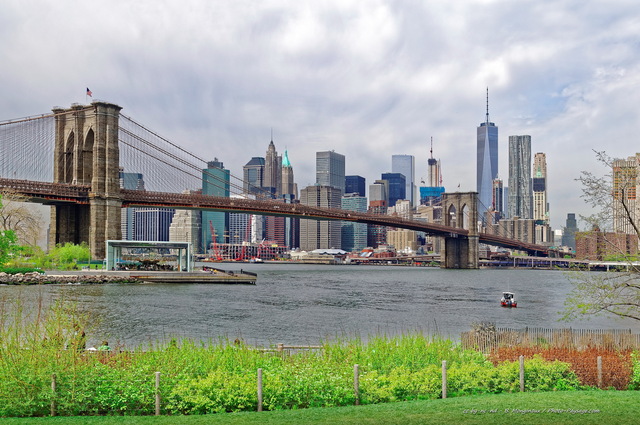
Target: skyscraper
(253, 176)
(520, 195)
(215, 182)
(272, 173)
(397, 187)
(354, 235)
(316, 234)
(330, 170)
(406, 165)
(487, 162)
(288, 184)
(355, 184)
(539, 180)
(498, 200)
(432, 192)
(569, 231)
(378, 200)
(434, 169)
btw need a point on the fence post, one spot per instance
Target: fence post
(521, 374)
(53, 394)
(259, 389)
(157, 393)
(599, 371)
(444, 379)
(356, 383)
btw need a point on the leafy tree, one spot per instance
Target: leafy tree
(70, 253)
(613, 198)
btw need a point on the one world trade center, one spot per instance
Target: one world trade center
(487, 163)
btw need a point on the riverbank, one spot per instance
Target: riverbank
(87, 277)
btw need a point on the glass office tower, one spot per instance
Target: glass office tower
(406, 165)
(487, 163)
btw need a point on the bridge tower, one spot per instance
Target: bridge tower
(86, 153)
(460, 209)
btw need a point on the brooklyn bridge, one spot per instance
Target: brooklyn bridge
(71, 158)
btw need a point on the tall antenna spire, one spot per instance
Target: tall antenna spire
(487, 105)
(487, 115)
(431, 150)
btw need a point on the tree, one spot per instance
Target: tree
(8, 244)
(615, 215)
(16, 216)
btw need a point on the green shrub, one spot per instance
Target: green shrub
(634, 384)
(23, 270)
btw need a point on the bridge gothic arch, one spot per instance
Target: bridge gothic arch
(69, 158)
(461, 252)
(86, 171)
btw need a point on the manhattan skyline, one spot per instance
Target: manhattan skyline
(366, 80)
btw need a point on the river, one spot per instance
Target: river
(304, 304)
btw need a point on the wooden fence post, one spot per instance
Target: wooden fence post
(521, 374)
(356, 383)
(53, 394)
(599, 371)
(259, 389)
(444, 379)
(157, 393)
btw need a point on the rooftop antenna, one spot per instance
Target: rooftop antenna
(431, 150)
(487, 105)
(487, 115)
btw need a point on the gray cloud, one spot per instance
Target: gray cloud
(366, 79)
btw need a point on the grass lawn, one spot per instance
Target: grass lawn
(579, 407)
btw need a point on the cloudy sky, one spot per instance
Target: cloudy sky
(367, 79)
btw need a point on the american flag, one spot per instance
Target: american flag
(89, 92)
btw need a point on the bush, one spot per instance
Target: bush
(22, 270)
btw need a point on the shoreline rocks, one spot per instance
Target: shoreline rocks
(36, 278)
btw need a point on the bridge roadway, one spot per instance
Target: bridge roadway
(58, 193)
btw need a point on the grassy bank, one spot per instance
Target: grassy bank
(578, 407)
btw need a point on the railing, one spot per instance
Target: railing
(488, 339)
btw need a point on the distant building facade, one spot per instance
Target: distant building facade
(625, 190)
(354, 235)
(152, 224)
(130, 181)
(539, 186)
(317, 234)
(609, 246)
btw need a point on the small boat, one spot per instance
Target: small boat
(508, 300)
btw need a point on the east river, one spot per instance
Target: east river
(304, 304)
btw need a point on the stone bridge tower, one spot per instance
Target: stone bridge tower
(86, 153)
(460, 209)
